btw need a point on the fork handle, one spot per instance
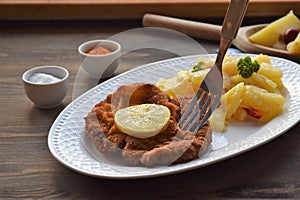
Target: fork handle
(231, 24)
(233, 18)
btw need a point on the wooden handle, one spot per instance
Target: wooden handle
(191, 28)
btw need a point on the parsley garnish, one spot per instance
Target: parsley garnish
(246, 67)
(198, 66)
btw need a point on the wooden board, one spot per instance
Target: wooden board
(133, 9)
(212, 32)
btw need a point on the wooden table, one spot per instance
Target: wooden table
(28, 170)
(135, 9)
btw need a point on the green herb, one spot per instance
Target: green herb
(198, 66)
(246, 67)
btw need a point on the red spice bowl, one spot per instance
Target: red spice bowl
(101, 57)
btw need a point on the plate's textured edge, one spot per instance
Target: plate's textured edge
(64, 142)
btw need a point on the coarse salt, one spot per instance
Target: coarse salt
(42, 78)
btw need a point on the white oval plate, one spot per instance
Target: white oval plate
(64, 136)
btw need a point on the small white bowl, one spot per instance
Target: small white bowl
(103, 65)
(46, 95)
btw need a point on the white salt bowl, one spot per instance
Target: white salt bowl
(44, 93)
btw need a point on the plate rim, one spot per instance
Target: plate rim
(188, 168)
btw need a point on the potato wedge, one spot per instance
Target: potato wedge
(231, 100)
(294, 46)
(268, 104)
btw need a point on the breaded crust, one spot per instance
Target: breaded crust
(167, 147)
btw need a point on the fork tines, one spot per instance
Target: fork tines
(198, 111)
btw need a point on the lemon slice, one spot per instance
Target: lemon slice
(145, 120)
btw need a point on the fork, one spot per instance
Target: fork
(208, 95)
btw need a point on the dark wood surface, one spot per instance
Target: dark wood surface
(135, 9)
(28, 170)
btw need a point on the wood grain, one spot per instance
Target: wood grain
(130, 1)
(135, 9)
(28, 171)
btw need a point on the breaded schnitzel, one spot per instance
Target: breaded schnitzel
(172, 145)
